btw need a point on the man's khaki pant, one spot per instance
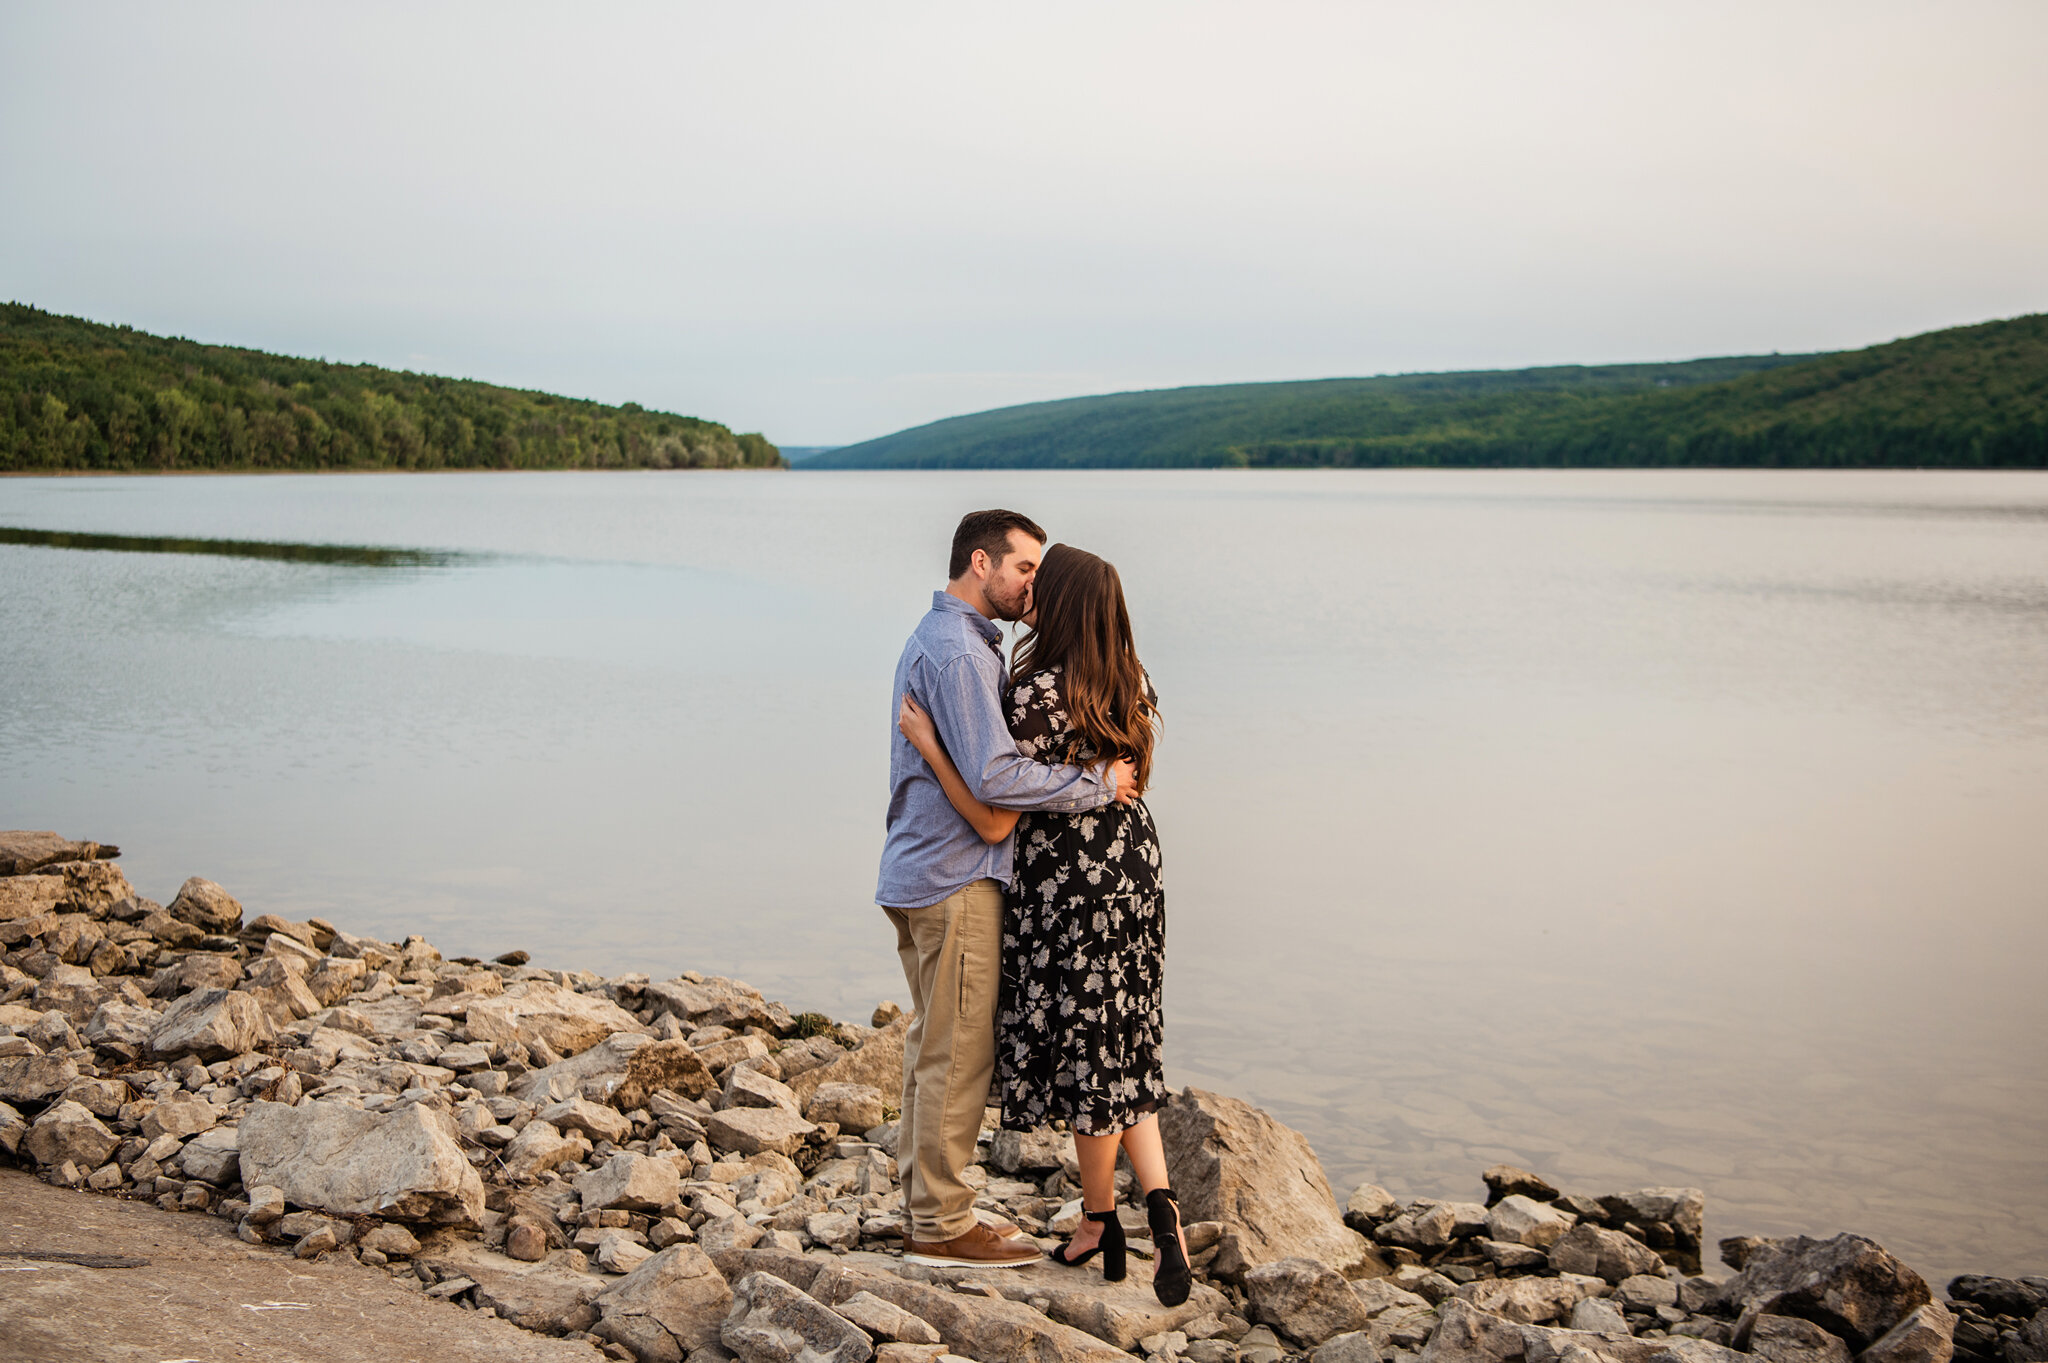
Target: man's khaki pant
(952, 953)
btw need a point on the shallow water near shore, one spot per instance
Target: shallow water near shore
(1647, 827)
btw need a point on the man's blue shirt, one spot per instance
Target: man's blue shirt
(953, 668)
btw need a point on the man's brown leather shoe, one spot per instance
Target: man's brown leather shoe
(978, 1248)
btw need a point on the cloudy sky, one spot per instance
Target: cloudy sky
(830, 221)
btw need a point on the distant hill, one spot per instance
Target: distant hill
(80, 395)
(1968, 397)
(796, 454)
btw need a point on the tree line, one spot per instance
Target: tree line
(78, 395)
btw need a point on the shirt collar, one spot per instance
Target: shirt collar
(946, 601)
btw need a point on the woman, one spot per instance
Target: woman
(1084, 932)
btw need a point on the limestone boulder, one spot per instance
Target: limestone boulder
(206, 906)
(179, 1115)
(71, 990)
(974, 1325)
(29, 896)
(856, 1107)
(213, 1024)
(1304, 1300)
(1521, 1220)
(773, 1322)
(885, 1320)
(677, 1292)
(1505, 1180)
(1368, 1205)
(23, 850)
(1598, 1252)
(69, 1131)
(877, 1063)
(1683, 1210)
(213, 1156)
(35, 1078)
(1849, 1286)
(669, 1066)
(117, 1023)
(548, 1299)
(597, 1073)
(1788, 1339)
(1926, 1335)
(632, 1182)
(595, 1120)
(539, 1147)
(1466, 1334)
(404, 1164)
(751, 1130)
(567, 1021)
(717, 1002)
(1014, 1152)
(1601, 1316)
(1529, 1301)
(1235, 1164)
(747, 1087)
(13, 1128)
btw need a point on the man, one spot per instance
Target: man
(942, 886)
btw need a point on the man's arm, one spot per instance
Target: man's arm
(963, 703)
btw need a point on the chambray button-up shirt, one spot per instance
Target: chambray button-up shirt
(953, 667)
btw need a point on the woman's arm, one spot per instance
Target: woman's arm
(991, 823)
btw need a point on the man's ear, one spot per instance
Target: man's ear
(980, 563)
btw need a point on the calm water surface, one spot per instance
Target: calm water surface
(1638, 828)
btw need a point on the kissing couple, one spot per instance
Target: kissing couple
(1022, 874)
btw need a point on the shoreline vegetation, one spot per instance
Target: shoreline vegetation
(1961, 398)
(686, 1170)
(81, 397)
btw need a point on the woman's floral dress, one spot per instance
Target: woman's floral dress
(1084, 946)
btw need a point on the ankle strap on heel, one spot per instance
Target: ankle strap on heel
(1109, 1215)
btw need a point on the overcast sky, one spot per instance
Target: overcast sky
(830, 221)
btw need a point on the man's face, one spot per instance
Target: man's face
(1008, 584)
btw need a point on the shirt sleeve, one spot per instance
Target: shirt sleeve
(965, 703)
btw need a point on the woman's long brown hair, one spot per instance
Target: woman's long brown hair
(1085, 630)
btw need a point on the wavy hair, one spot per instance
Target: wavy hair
(1084, 629)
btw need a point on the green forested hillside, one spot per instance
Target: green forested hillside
(79, 395)
(1969, 397)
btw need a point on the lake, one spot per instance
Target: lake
(1682, 827)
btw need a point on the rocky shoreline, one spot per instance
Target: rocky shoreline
(684, 1169)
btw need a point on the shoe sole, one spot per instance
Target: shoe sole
(936, 1261)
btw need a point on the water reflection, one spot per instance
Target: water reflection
(362, 555)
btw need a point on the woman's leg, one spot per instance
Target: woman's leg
(1148, 1156)
(1097, 1155)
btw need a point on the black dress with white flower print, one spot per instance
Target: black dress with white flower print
(1084, 948)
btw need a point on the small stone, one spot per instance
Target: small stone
(1789, 1339)
(394, 1242)
(1305, 1300)
(1646, 1292)
(526, 1240)
(1519, 1220)
(886, 1012)
(1354, 1347)
(1925, 1336)
(1598, 1316)
(1505, 1180)
(833, 1230)
(538, 1148)
(594, 1120)
(1531, 1301)
(1369, 1205)
(750, 1130)
(619, 1252)
(316, 1242)
(850, 1107)
(180, 1115)
(206, 906)
(1603, 1253)
(66, 1133)
(635, 1182)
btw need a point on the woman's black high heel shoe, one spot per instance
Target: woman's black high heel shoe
(1111, 1246)
(1172, 1279)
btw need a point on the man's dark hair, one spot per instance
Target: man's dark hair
(988, 531)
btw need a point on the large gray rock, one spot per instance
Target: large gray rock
(1306, 1301)
(1849, 1286)
(539, 1147)
(748, 1087)
(213, 1024)
(1599, 1252)
(669, 1066)
(599, 1072)
(26, 849)
(1788, 1339)
(179, 1115)
(1603, 1317)
(546, 1299)
(69, 1131)
(1121, 1314)
(71, 990)
(858, 1107)
(717, 1002)
(751, 1130)
(885, 1320)
(1529, 1301)
(567, 1021)
(594, 1120)
(116, 1023)
(773, 1322)
(35, 1078)
(976, 1326)
(878, 1063)
(406, 1164)
(1520, 1220)
(213, 1156)
(206, 906)
(1465, 1334)
(641, 1183)
(1682, 1209)
(13, 1129)
(1927, 1335)
(678, 1291)
(1012, 1152)
(1235, 1164)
